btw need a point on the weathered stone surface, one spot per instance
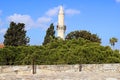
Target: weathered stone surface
(111, 79)
(58, 68)
(15, 69)
(62, 72)
(64, 76)
(101, 67)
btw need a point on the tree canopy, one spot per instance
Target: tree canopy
(50, 33)
(74, 51)
(80, 47)
(83, 34)
(113, 40)
(16, 35)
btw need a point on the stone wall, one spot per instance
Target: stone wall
(27, 69)
(101, 68)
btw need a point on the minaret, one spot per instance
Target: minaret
(61, 27)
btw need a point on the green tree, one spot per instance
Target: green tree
(50, 34)
(16, 35)
(113, 40)
(83, 34)
(74, 51)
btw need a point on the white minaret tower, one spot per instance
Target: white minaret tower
(61, 27)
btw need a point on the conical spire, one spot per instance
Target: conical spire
(61, 11)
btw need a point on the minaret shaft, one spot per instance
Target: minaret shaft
(61, 18)
(61, 26)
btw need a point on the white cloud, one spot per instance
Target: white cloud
(117, 0)
(18, 18)
(53, 11)
(72, 12)
(2, 31)
(1, 23)
(43, 22)
(44, 19)
(29, 22)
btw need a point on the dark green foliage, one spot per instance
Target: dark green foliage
(8, 55)
(50, 34)
(79, 47)
(16, 35)
(74, 51)
(113, 40)
(83, 34)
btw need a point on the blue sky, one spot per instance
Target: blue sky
(101, 17)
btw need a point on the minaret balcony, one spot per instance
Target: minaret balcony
(61, 27)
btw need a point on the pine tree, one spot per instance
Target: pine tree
(50, 34)
(16, 35)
